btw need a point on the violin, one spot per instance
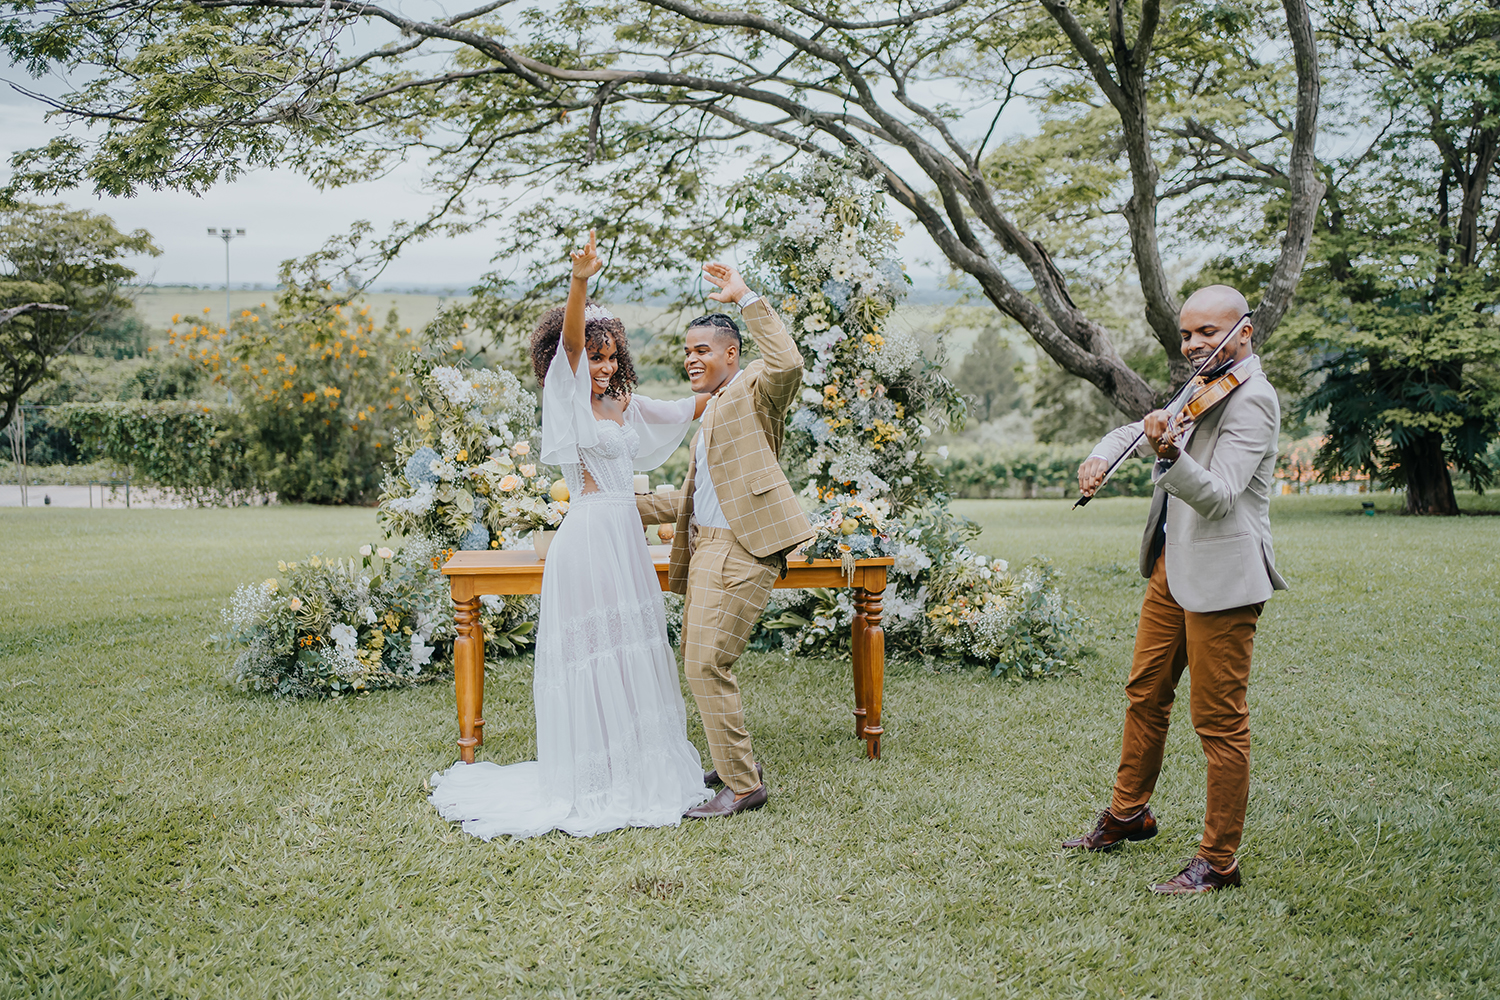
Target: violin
(1204, 398)
(1205, 395)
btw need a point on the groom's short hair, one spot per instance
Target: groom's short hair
(722, 326)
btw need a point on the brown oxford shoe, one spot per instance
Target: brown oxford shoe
(711, 778)
(1111, 831)
(725, 804)
(1198, 876)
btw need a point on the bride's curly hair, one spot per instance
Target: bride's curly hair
(596, 332)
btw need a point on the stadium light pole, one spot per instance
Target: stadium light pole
(226, 234)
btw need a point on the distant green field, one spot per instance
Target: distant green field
(165, 835)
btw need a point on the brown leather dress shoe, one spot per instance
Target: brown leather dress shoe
(711, 778)
(725, 804)
(1111, 831)
(1198, 876)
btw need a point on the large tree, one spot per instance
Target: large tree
(1399, 307)
(60, 274)
(628, 113)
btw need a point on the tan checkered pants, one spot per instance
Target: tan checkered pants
(727, 590)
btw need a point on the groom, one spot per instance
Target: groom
(736, 517)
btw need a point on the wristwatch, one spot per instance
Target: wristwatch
(746, 300)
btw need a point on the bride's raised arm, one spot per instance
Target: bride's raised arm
(661, 425)
(586, 264)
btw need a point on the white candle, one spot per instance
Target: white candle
(642, 483)
(665, 488)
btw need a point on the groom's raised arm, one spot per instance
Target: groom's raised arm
(782, 376)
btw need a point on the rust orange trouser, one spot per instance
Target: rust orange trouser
(1215, 647)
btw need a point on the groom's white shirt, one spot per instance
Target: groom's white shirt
(706, 509)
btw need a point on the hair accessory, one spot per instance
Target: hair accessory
(592, 312)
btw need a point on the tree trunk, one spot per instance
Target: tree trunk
(1429, 486)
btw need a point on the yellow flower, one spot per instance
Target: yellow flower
(521, 448)
(510, 482)
(315, 562)
(281, 565)
(463, 455)
(270, 585)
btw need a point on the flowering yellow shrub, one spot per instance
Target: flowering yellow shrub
(318, 385)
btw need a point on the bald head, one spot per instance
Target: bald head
(1206, 316)
(1221, 300)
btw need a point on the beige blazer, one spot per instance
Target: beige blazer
(744, 428)
(1216, 500)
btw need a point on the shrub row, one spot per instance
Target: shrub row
(1037, 470)
(194, 448)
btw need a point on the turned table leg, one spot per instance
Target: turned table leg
(859, 633)
(468, 676)
(870, 662)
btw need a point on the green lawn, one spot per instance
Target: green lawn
(162, 834)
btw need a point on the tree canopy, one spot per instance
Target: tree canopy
(1397, 313)
(633, 116)
(60, 274)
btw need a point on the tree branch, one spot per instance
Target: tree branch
(904, 21)
(6, 315)
(1302, 175)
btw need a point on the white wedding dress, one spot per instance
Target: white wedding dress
(611, 727)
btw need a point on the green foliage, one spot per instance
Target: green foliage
(317, 385)
(68, 257)
(1144, 116)
(1396, 325)
(1029, 470)
(1018, 625)
(1065, 410)
(194, 448)
(1412, 373)
(988, 373)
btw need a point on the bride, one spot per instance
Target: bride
(611, 728)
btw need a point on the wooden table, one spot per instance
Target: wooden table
(474, 574)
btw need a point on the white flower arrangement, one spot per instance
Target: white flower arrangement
(859, 433)
(463, 476)
(850, 528)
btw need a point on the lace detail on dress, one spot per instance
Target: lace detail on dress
(602, 633)
(608, 461)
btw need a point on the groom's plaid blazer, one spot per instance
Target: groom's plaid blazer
(744, 428)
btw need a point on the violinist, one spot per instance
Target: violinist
(1207, 556)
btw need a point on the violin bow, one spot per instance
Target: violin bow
(1084, 498)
